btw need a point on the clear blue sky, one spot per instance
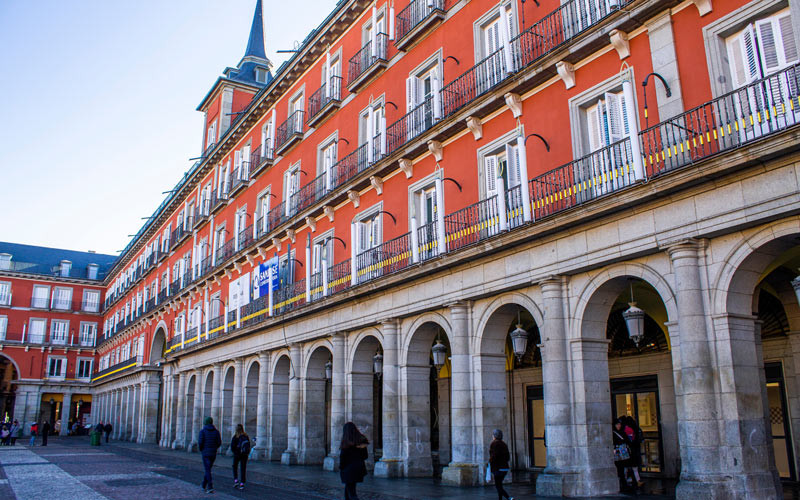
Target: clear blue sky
(99, 98)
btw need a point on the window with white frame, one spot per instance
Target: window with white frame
(219, 236)
(88, 334)
(268, 137)
(371, 121)
(368, 34)
(331, 75)
(215, 305)
(762, 47)
(5, 293)
(180, 324)
(286, 269)
(326, 159)
(36, 330)
(66, 267)
(62, 298)
(262, 209)
(422, 90)
(40, 297)
(3, 327)
(91, 300)
(368, 229)
(84, 368)
(5, 261)
(322, 252)
(211, 136)
(296, 113)
(56, 367)
(239, 226)
(223, 181)
(291, 184)
(58, 331)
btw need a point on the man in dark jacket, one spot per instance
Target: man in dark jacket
(208, 442)
(107, 428)
(45, 432)
(498, 463)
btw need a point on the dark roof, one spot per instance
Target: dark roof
(255, 44)
(47, 261)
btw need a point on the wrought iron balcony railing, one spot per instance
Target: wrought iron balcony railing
(416, 19)
(289, 132)
(367, 62)
(260, 158)
(326, 99)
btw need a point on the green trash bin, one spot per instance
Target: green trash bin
(95, 439)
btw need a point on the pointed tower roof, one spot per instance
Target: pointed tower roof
(255, 44)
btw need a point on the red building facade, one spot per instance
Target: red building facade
(51, 304)
(411, 141)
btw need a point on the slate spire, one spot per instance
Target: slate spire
(255, 44)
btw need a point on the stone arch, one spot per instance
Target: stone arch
(423, 431)
(365, 392)
(250, 399)
(492, 384)
(354, 343)
(226, 423)
(743, 266)
(597, 296)
(207, 396)
(158, 344)
(316, 407)
(192, 392)
(278, 431)
(8, 400)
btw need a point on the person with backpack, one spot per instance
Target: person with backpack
(353, 453)
(34, 431)
(240, 446)
(208, 442)
(622, 454)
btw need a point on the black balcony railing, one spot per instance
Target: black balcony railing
(386, 258)
(415, 14)
(410, 125)
(114, 368)
(428, 242)
(226, 251)
(472, 224)
(260, 158)
(312, 192)
(219, 197)
(290, 297)
(289, 131)
(276, 215)
(162, 295)
(367, 60)
(201, 212)
(326, 98)
(473, 83)
(40, 303)
(241, 177)
(245, 238)
(514, 206)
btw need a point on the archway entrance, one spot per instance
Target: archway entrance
(8, 376)
(158, 346)
(192, 391)
(317, 407)
(426, 433)
(366, 394)
(251, 400)
(226, 423)
(279, 409)
(511, 387)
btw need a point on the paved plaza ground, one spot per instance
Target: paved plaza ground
(70, 468)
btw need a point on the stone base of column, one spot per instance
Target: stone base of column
(289, 458)
(550, 484)
(177, 445)
(577, 484)
(387, 467)
(461, 474)
(258, 454)
(753, 486)
(331, 463)
(192, 448)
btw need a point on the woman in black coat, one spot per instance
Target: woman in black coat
(621, 441)
(352, 454)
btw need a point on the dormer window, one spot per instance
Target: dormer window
(261, 75)
(66, 266)
(91, 271)
(5, 261)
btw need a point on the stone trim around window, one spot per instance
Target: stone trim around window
(493, 148)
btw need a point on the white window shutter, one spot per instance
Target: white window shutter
(436, 89)
(363, 242)
(788, 42)
(768, 45)
(373, 39)
(614, 117)
(512, 159)
(410, 92)
(490, 171)
(595, 125)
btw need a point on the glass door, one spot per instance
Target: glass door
(779, 422)
(537, 447)
(638, 397)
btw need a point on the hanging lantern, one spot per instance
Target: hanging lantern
(519, 341)
(796, 285)
(439, 353)
(377, 364)
(634, 320)
(328, 370)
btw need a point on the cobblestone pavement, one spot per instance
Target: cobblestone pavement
(70, 468)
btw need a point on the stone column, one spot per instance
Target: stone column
(216, 399)
(463, 469)
(262, 404)
(557, 479)
(112, 412)
(180, 433)
(136, 406)
(196, 411)
(289, 457)
(66, 405)
(165, 431)
(149, 405)
(338, 402)
(390, 464)
(236, 411)
(127, 403)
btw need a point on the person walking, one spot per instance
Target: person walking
(5, 434)
(635, 436)
(208, 442)
(108, 430)
(34, 431)
(45, 432)
(622, 454)
(15, 432)
(498, 463)
(353, 453)
(240, 446)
